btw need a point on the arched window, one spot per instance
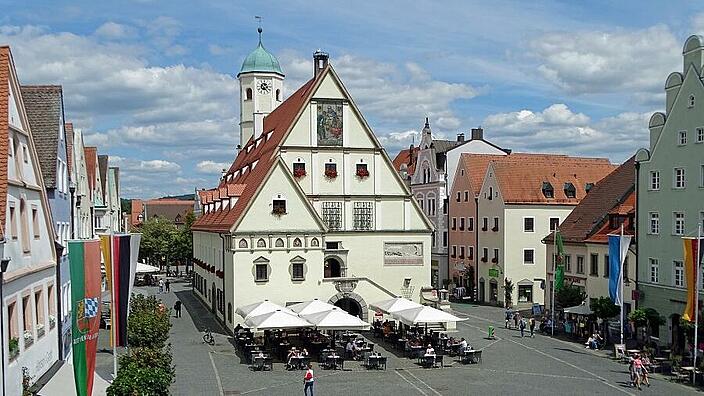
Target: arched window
(243, 243)
(279, 242)
(314, 242)
(332, 268)
(691, 100)
(297, 242)
(278, 95)
(248, 94)
(261, 243)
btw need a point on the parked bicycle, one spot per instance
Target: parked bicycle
(208, 337)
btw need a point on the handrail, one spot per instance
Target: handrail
(358, 278)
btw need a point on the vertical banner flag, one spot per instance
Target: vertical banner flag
(691, 270)
(125, 249)
(559, 262)
(618, 251)
(84, 257)
(107, 260)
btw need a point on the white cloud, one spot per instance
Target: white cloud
(558, 129)
(212, 167)
(115, 31)
(635, 62)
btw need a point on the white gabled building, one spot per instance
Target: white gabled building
(311, 207)
(30, 336)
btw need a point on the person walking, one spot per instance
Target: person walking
(532, 327)
(508, 318)
(522, 327)
(177, 308)
(515, 319)
(168, 285)
(161, 285)
(308, 380)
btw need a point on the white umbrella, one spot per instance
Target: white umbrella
(394, 305)
(579, 310)
(278, 319)
(260, 308)
(311, 307)
(146, 268)
(336, 319)
(425, 314)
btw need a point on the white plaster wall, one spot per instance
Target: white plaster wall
(473, 146)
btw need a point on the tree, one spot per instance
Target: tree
(570, 296)
(183, 242)
(508, 292)
(148, 325)
(605, 309)
(157, 239)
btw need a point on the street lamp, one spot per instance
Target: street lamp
(4, 262)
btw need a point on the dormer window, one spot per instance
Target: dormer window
(548, 191)
(588, 187)
(570, 190)
(278, 207)
(691, 101)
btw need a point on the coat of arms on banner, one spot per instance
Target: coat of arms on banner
(87, 310)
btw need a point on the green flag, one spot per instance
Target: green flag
(559, 262)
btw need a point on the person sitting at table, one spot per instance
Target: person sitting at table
(356, 351)
(463, 344)
(304, 353)
(291, 354)
(430, 351)
(349, 349)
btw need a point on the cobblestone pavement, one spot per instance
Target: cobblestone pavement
(511, 364)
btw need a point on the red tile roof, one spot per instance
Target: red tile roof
(408, 157)
(5, 65)
(91, 154)
(521, 181)
(254, 161)
(137, 208)
(614, 194)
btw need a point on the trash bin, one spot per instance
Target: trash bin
(491, 332)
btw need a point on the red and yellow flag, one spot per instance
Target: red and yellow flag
(691, 270)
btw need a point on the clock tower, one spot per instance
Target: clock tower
(261, 90)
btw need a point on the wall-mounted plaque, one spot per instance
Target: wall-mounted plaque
(403, 253)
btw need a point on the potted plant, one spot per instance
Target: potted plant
(299, 173)
(40, 329)
(362, 172)
(52, 321)
(330, 173)
(28, 338)
(14, 347)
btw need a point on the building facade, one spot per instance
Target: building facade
(426, 169)
(29, 306)
(311, 208)
(522, 200)
(609, 205)
(670, 187)
(45, 111)
(82, 201)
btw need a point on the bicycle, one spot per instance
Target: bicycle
(208, 337)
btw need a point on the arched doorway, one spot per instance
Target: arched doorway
(351, 306)
(332, 268)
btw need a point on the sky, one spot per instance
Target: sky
(153, 83)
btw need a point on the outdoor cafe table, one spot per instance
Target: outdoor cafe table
(430, 360)
(334, 361)
(299, 362)
(259, 362)
(417, 351)
(401, 343)
(375, 361)
(470, 356)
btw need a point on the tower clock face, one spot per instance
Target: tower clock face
(264, 87)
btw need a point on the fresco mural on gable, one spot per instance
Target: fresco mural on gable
(330, 123)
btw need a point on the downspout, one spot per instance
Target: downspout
(224, 315)
(476, 248)
(59, 308)
(635, 231)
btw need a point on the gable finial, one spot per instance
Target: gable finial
(427, 123)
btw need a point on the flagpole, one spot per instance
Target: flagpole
(620, 263)
(112, 310)
(554, 268)
(696, 265)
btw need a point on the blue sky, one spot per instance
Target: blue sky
(152, 82)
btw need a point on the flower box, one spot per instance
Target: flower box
(362, 173)
(52, 321)
(28, 338)
(14, 347)
(331, 173)
(278, 211)
(40, 329)
(299, 173)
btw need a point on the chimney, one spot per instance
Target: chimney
(477, 133)
(320, 61)
(460, 137)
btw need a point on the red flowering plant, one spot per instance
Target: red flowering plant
(362, 172)
(299, 173)
(330, 173)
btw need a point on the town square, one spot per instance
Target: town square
(224, 198)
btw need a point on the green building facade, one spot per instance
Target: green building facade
(670, 193)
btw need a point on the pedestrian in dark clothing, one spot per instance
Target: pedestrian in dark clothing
(177, 308)
(515, 320)
(532, 327)
(168, 285)
(522, 326)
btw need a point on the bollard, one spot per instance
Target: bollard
(491, 333)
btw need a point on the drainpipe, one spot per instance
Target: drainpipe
(476, 249)
(224, 315)
(59, 307)
(635, 230)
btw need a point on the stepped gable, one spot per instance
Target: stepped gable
(254, 161)
(521, 182)
(614, 194)
(43, 106)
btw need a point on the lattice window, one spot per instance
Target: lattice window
(363, 215)
(332, 215)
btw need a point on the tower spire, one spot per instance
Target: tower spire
(259, 29)
(427, 123)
